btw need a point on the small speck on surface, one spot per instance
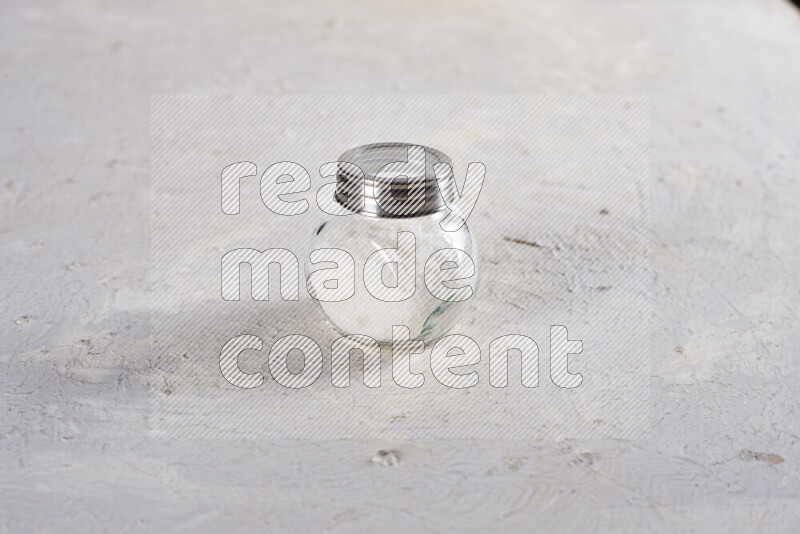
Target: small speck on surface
(386, 458)
(514, 464)
(604, 211)
(25, 319)
(522, 242)
(770, 458)
(584, 458)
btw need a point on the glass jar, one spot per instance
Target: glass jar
(407, 269)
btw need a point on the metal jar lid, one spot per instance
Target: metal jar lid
(392, 180)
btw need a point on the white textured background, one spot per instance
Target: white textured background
(77, 79)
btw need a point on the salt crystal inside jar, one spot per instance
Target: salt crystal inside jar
(408, 270)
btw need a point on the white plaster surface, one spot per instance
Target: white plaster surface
(723, 450)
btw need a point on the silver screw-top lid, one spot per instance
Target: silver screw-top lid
(392, 180)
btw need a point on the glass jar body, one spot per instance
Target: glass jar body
(385, 241)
